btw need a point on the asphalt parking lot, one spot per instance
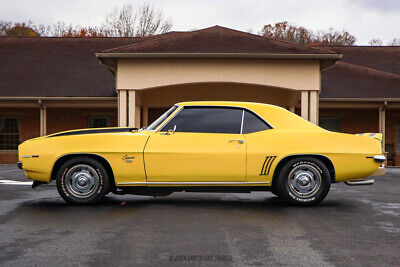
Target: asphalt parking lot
(354, 226)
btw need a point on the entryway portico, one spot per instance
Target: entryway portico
(214, 64)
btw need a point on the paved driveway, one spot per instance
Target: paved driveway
(357, 226)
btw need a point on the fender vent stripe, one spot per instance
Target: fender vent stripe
(266, 167)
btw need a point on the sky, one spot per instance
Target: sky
(366, 19)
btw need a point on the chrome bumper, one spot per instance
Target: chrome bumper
(379, 172)
(380, 158)
(360, 182)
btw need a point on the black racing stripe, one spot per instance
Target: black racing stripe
(95, 131)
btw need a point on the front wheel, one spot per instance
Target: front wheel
(304, 181)
(82, 180)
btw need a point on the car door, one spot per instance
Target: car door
(205, 145)
(263, 146)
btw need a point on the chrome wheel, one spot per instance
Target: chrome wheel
(82, 181)
(304, 181)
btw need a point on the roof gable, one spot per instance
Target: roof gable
(216, 39)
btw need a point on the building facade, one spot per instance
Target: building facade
(49, 85)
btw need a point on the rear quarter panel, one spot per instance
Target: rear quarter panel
(347, 152)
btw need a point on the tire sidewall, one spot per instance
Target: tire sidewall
(283, 187)
(97, 195)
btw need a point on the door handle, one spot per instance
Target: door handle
(237, 140)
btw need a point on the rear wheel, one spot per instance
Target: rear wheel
(304, 181)
(82, 180)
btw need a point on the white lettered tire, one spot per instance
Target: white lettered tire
(304, 181)
(82, 180)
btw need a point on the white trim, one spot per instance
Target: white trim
(192, 183)
(241, 125)
(221, 55)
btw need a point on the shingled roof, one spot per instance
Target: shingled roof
(68, 66)
(345, 80)
(56, 66)
(216, 39)
(383, 58)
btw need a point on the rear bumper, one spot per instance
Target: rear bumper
(360, 182)
(368, 181)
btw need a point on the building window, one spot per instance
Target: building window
(330, 124)
(9, 133)
(98, 122)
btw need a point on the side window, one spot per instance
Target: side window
(251, 123)
(207, 120)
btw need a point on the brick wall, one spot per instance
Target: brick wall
(57, 120)
(62, 119)
(354, 120)
(391, 131)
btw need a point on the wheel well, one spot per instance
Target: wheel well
(328, 163)
(60, 161)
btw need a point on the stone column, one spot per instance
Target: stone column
(133, 109)
(43, 118)
(304, 104)
(122, 108)
(382, 125)
(145, 116)
(313, 112)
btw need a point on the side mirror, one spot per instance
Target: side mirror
(172, 131)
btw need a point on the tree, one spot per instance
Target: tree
(375, 42)
(41, 29)
(4, 27)
(301, 35)
(334, 38)
(21, 30)
(395, 42)
(287, 32)
(83, 32)
(128, 22)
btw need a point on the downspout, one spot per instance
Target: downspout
(42, 118)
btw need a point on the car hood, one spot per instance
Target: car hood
(93, 131)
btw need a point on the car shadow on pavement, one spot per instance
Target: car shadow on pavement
(193, 202)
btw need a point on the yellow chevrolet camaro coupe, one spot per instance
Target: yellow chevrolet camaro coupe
(204, 147)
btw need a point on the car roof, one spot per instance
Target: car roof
(226, 103)
(277, 117)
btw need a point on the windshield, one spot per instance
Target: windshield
(162, 118)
